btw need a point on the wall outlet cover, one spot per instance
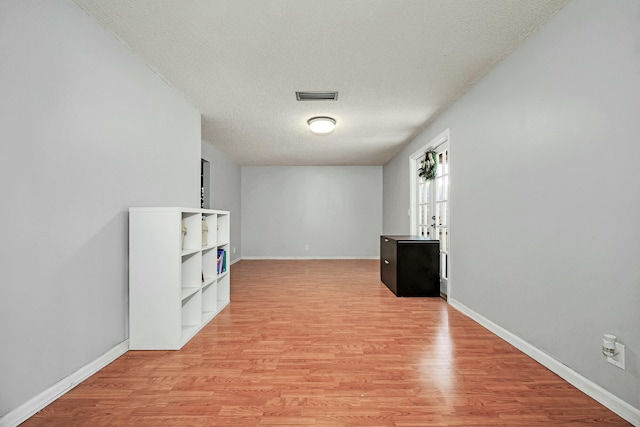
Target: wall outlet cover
(618, 358)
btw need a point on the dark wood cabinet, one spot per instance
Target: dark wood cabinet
(410, 265)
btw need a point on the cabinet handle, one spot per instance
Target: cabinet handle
(386, 240)
(386, 262)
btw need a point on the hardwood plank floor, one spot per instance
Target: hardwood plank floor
(325, 343)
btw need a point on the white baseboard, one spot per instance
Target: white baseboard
(307, 257)
(588, 387)
(27, 409)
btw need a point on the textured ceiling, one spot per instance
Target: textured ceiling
(395, 64)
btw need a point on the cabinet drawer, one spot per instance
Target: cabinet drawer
(388, 250)
(388, 275)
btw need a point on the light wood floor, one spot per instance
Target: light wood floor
(324, 343)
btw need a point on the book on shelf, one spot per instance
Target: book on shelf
(221, 264)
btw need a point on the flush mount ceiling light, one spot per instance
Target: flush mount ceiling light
(321, 125)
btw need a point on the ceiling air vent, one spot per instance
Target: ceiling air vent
(317, 96)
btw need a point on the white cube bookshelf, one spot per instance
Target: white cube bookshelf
(175, 288)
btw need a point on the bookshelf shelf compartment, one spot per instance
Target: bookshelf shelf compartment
(169, 302)
(223, 294)
(209, 299)
(187, 252)
(187, 292)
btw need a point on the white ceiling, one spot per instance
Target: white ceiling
(396, 66)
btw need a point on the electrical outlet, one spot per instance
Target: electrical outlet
(234, 250)
(618, 358)
(306, 247)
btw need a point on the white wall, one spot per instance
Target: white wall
(336, 210)
(545, 204)
(224, 194)
(86, 131)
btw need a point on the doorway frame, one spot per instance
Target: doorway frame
(205, 183)
(443, 137)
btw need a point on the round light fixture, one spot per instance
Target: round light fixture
(321, 125)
